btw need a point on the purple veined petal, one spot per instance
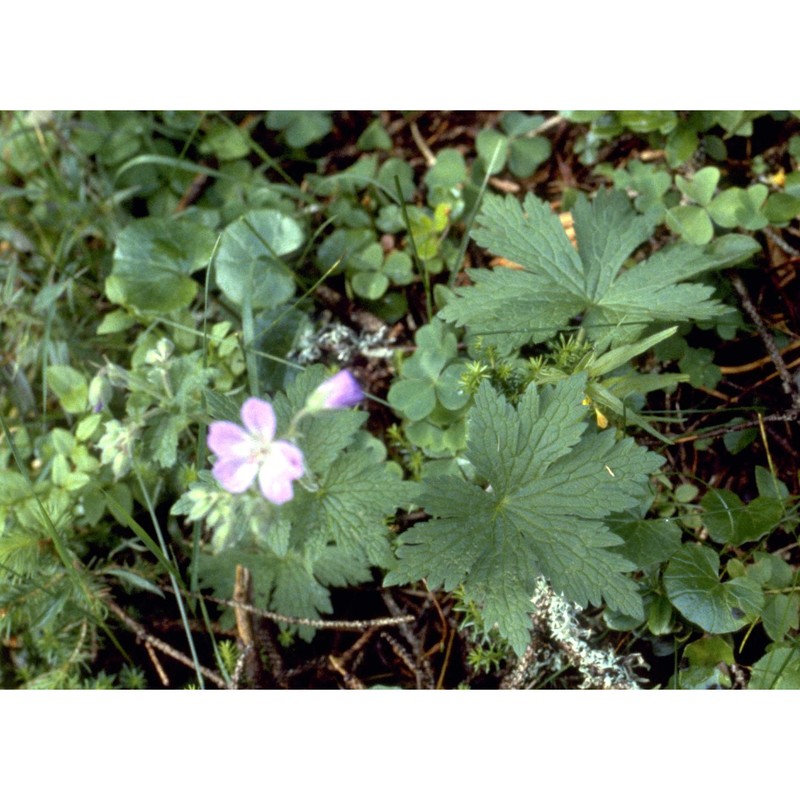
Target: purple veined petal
(235, 475)
(274, 484)
(277, 490)
(293, 464)
(228, 440)
(259, 418)
(282, 465)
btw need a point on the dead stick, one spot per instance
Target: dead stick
(321, 624)
(148, 638)
(786, 379)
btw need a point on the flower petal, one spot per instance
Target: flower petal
(340, 391)
(282, 465)
(234, 474)
(259, 418)
(227, 440)
(276, 489)
(292, 456)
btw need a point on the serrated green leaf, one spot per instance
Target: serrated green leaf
(531, 235)
(161, 439)
(607, 231)
(509, 308)
(325, 435)
(549, 487)
(352, 502)
(221, 406)
(557, 283)
(692, 582)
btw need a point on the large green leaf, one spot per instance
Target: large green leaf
(730, 521)
(694, 588)
(549, 486)
(249, 260)
(557, 282)
(153, 260)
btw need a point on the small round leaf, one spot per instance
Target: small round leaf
(691, 223)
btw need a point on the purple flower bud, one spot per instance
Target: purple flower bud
(340, 391)
(244, 454)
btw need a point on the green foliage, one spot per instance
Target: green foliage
(331, 534)
(557, 283)
(708, 659)
(69, 386)
(700, 201)
(778, 669)
(693, 586)
(546, 486)
(517, 146)
(429, 392)
(249, 263)
(300, 128)
(149, 270)
(153, 260)
(729, 521)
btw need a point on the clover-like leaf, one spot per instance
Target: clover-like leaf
(549, 484)
(428, 376)
(691, 223)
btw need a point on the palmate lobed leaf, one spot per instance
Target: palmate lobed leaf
(550, 484)
(558, 282)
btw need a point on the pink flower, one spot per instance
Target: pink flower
(337, 392)
(246, 453)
